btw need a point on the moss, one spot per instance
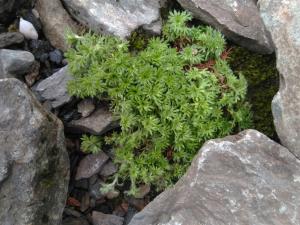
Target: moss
(263, 83)
(138, 40)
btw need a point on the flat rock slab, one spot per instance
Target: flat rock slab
(97, 123)
(91, 165)
(118, 18)
(15, 63)
(241, 179)
(282, 19)
(34, 164)
(238, 20)
(54, 88)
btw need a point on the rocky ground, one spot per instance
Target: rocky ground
(241, 179)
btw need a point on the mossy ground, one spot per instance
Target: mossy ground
(263, 83)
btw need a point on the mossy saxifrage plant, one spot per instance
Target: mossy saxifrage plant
(170, 97)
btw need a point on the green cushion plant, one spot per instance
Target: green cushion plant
(170, 97)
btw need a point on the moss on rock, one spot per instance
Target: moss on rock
(263, 83)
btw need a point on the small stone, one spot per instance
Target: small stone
(56, 56)
(138, 203)
(10, 38)
(142, 191)
(33, 74)
(91, 165)
(112, 194)
(86, 107)
(54, 88)
(97, 123)
(15, 63)
(108, 169)
(35, 13)
(39, 48)
(75, 221)
(44, 57)
(28, 30)
(99, 218)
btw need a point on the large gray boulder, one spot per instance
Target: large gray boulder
(241, 179)
(238, 20)
(15, 63)
(34, 165)
(119, 18)
(282, 19)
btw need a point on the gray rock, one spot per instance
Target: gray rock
(91, 165)
(75, 221)
(15, 63)
(108, 169)
(34, 164)
(119, 18)
(282, 20)
(142, 191)
(241, 179)
(238, 20)
(10, 38)
(100, 218)
(97, 123)
(56, 21)
(86, 107)
(54, 88)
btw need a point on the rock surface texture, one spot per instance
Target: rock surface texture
(97, 123)
(241, 179)
(119, 18)
(282, 19)
(15, 63)
(10, 38)
(34, 167)
(54, 88)
(56, 22)
(238, 20)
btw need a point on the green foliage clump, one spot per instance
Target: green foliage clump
(91, 144)
(170, 97)
(263, 83)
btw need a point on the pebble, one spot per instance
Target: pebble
(28, 30)
(56, 56)
(91, 165)
(86, 107)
